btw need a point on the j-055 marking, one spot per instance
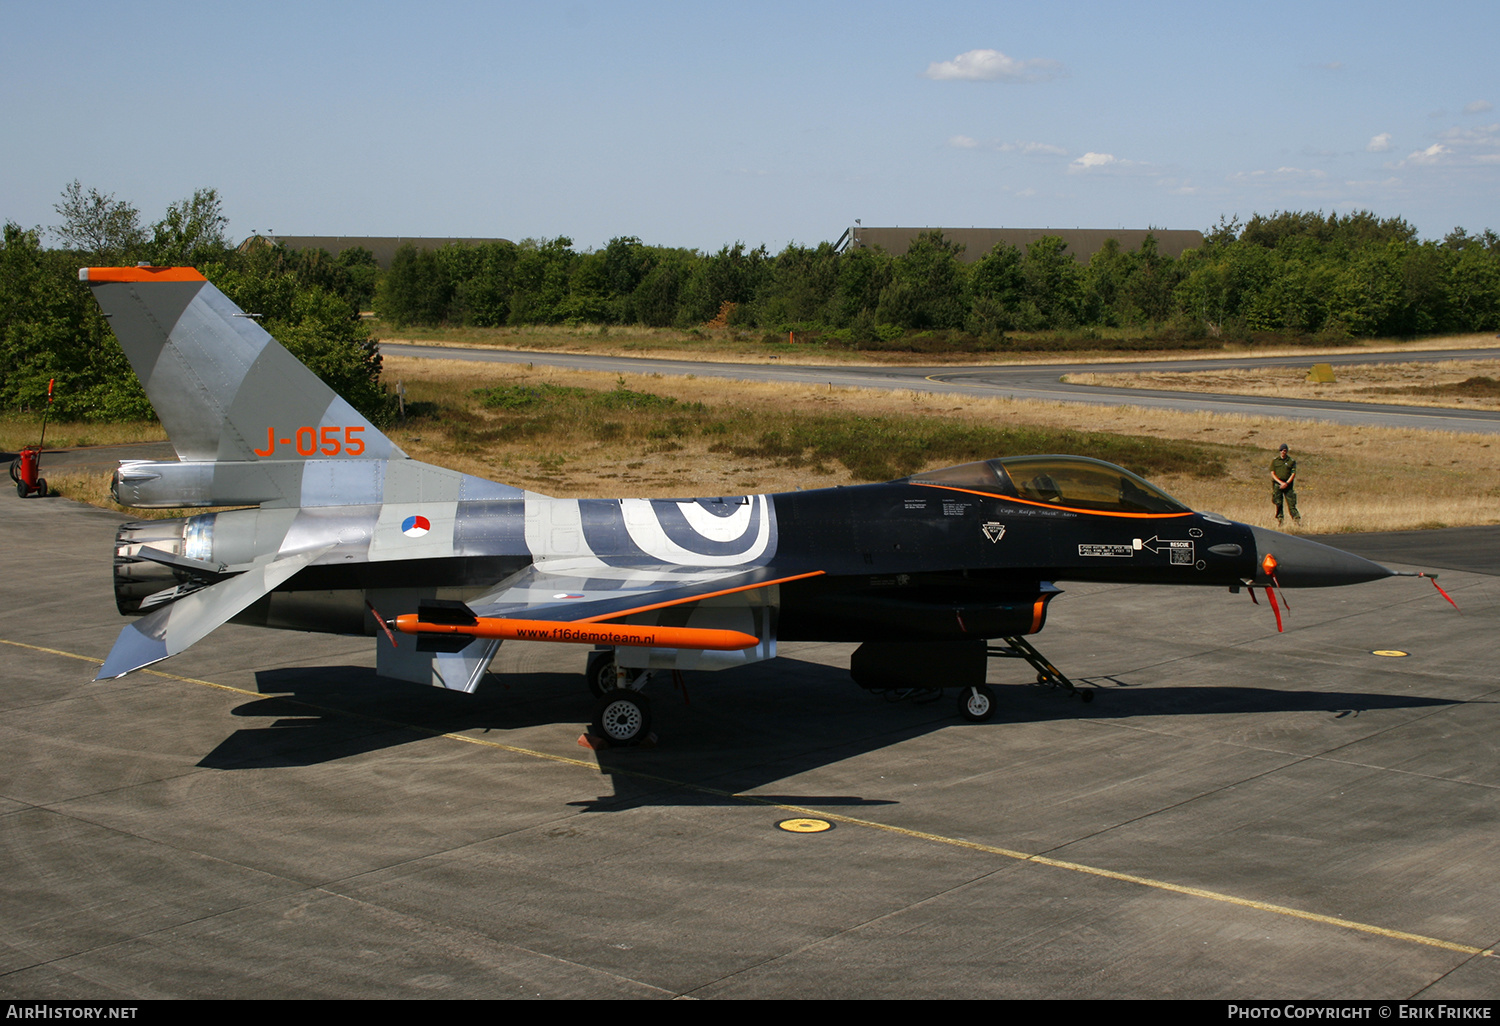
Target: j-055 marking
(310, 441)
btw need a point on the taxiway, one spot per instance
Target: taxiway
(1239, 813)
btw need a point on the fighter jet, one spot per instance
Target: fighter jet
(344, 533)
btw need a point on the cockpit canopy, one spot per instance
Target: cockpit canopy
(1073, 481)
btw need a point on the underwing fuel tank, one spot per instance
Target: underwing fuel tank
(1300, 563)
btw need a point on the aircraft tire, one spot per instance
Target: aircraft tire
(976, 704)
(600, 675)
(623, 718)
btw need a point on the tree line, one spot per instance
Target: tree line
(50, 327)
(1291, 275)
(1307, 275)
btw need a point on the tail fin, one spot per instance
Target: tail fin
(224, 389)
(248, 420)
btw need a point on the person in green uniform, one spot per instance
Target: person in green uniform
(1283, 478)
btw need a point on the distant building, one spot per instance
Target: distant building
(1083, 243)
(383, 246)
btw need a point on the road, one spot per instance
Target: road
(1040, 381)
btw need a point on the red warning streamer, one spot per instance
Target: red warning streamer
(1271, 594)
(1439, 587)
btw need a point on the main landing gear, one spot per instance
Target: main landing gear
(622, 715)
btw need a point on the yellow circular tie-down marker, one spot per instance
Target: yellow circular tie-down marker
(805, 826)
(1394, 653)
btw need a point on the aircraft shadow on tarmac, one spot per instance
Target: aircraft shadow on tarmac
(730, 732)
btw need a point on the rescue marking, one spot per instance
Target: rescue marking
(1179, 550)
(921, 835)
(993, 531)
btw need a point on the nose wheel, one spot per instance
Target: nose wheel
(976, 704)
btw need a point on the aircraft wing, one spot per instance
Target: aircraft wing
(587, 591)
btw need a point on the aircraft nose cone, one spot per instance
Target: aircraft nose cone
(1308, 564)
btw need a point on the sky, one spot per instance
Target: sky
(699, 124)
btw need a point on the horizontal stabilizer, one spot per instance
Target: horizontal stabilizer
(176, 627)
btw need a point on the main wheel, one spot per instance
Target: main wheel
(977, 703)
(600, 675)
(623, 717)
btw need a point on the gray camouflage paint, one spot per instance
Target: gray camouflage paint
(252, 425)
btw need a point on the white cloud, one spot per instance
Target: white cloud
(1478, 107)
(1478, 144)
(962, 142)
(1283, 173)
(1480, 135)
(1458, 146)
(1109, 164)
(1033, 148)
(1379, 143)
(992, 66)
(1428, 156)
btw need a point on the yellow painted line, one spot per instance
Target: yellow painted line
(797, 810)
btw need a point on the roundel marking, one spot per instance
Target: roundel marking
(415, 526)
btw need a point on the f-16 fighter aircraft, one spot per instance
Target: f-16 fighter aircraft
(347, 534)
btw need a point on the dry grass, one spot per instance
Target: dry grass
(1350, 478)
(17, 430)
(1402, 384)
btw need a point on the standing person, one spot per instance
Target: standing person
(1283, 477)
